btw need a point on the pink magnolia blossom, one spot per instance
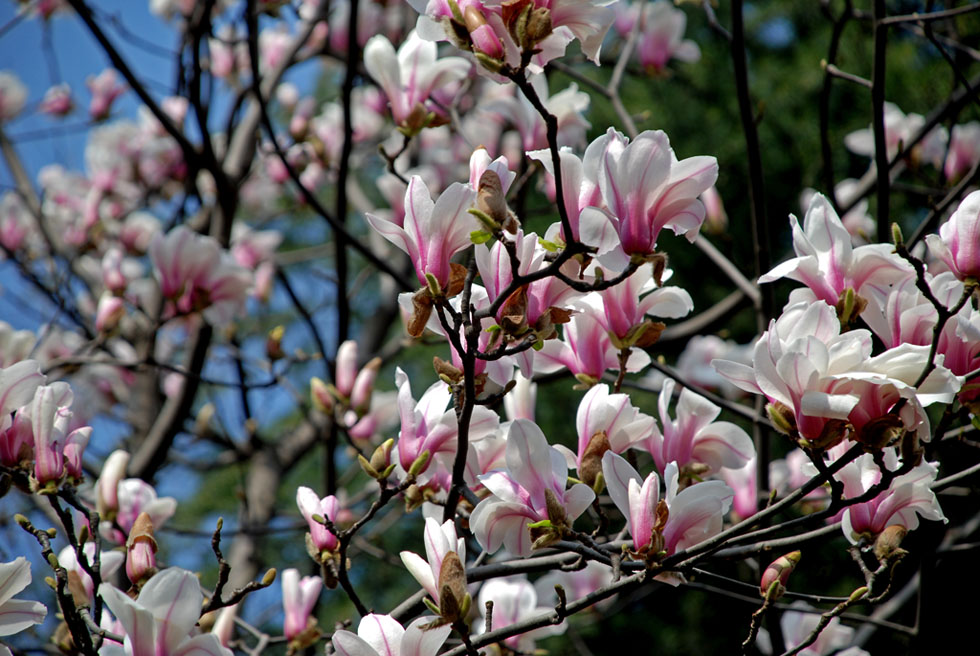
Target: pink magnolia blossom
(439, 541)
(964, 150)
(585, 348)
(694, 441)
(577, 584)
(614, 418)
(13, 96)
(695, 513)
(520, 401)
(16, 438)
(899, 129)
(958, 243)
(625, 306)
(433, 232)
(18, 384)
(161, 619)
(107, 485)
(110, 561)
(50, 422)
(311, 504)
(428, 426)
(826, 262)
(907, 498)
(57, 101)
(17, 614)
(382, 635)
(797, 625)
(808, 369)
(134, 497)
(585, 20)
(411, 76)
(580, 191)
(496, 272)
(662, 37)
(298, 598)
(515, 600)
(646, 189)
(567, 106)
(105, 88)
(535, 471)
(196, 274)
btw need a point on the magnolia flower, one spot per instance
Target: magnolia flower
(900, 128)
(576, 583)
(298, 598)
(382, 635)
(104, 88)
(57, 101)
(662, 38)
(161, 619)
(411, 76)
(964, 150)
(567, 106)
(427, 426)
(18, 383)
(585, 20)
(823, 385)
(797, 625)
(625, 307)
(135, 496)
(828, 265)
(694, 441)
(311, 504)
(519, 401)
(13, 96)
(50, 422)
(433, 232)
(907, 498)
(532, 307)
(196, 274)
(646, 189)
(514, 600)
(586, 348)
(439, 541)
(580, 191)
(692, 515)
(530, 490)
(605, 422)
(958, 243)
(17, 614)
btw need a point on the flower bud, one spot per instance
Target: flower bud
(320, 396)
(273, 343)
(346, 368)
(381, 458)
(360, 395)
(777, 574)
(113, 471)
(888, 544)
(141, 549)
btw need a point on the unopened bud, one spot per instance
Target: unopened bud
(420, 464)
(320, 396)
(269, 577)
(897, 238)
(777, 575)
(591, 462)
(452, 588)
(539, 26)
(381, 457)
(360, 396)
(141, 549)
(888, 544)
(781, 417)
(273, 343)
